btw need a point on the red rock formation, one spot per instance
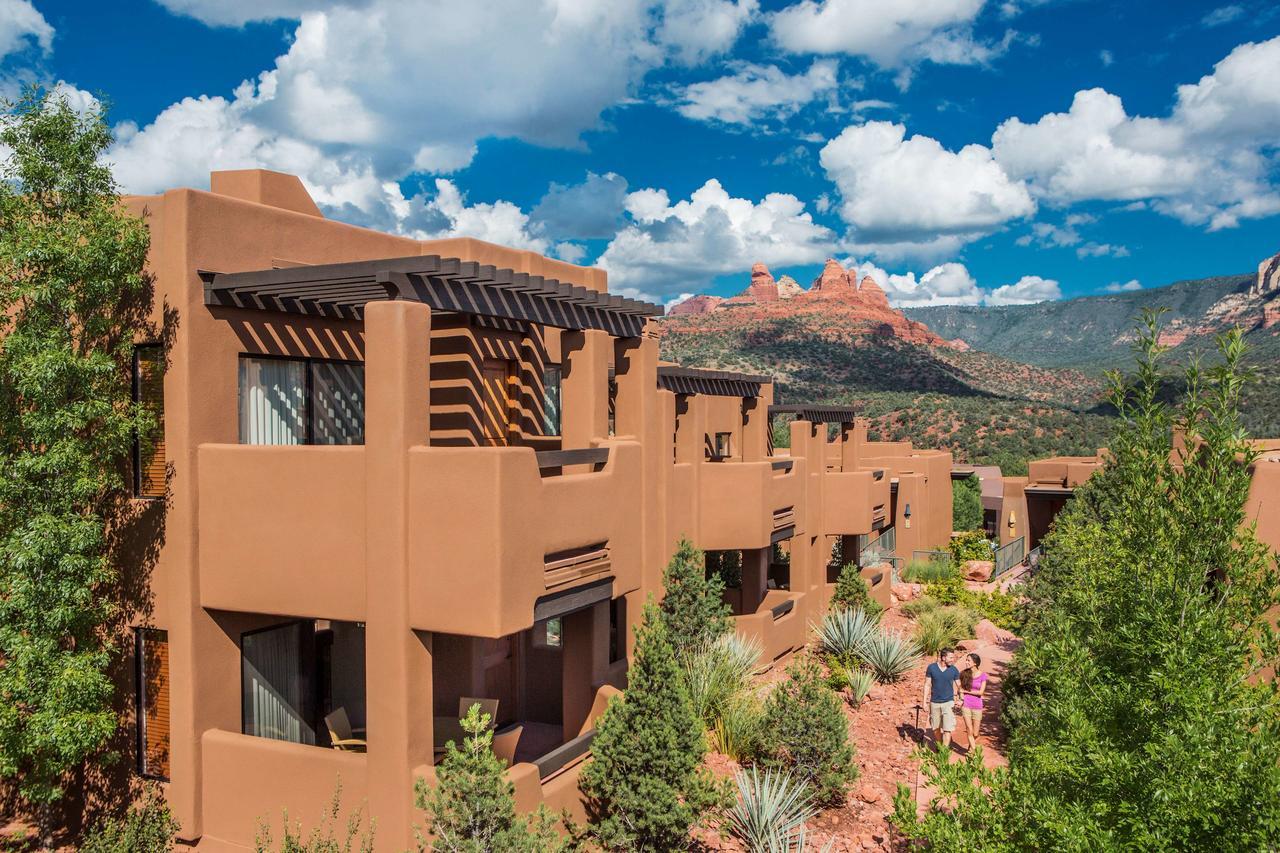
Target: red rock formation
(872, 293)
(1268, 282)
(700, 304)
(833, 280)
(761, 289)
(789, 287)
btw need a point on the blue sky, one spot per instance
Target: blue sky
(960, 151)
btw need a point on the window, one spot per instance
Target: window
(152, 702)
(148, 390)
(551, 378)
(301, 401)
(617, 629)
(498, 378)
(613, 402)
(548, 634)
(723, 445)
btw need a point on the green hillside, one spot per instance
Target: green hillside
(1089, 333)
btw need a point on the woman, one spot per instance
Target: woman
(973, 683)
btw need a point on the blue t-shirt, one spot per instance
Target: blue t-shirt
(942, 682)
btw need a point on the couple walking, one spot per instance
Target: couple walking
(940, 686)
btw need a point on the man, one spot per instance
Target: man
(940, 693)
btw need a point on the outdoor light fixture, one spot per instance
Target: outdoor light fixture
(1013, 520)
(906, 515)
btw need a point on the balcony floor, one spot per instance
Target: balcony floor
(537, 740)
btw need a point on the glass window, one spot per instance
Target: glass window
(149, 472)
(301, 401)
(276, 690)
(551, 377)
(722, 444)
(152, 697)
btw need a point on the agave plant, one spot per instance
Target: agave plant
(860, 681)
(718, 672)
(771, 811)
(844, 632)
(890, 655)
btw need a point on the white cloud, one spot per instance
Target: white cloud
(1223, 15)
(1123, 287)
(889, 34)
(668, 249)
(1106, 57)
(235, 13)
(1028, 289)
(1210, 162)
(757, 91)
(366, 95)
(21, 27)
(447, 214)
(589, 210)
(914, 198)
(1101, 250)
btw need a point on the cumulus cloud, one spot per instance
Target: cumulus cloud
(1123, 287)
(912, 197)
(891, 35)
(22, 27)
(357, 102)
(1210, 162)
(666, 249)
(235, 13)
(447, 214)
(589, 210)
(755, 92)
(1025, 291)
(1101, 250)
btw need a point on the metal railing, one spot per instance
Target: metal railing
(881, 550)
(943, 557)
(1008, 556)
(1033, 558)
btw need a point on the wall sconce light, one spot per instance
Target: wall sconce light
(1013, 521)
(906, 515)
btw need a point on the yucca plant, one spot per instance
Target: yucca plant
(771, 810)
(890, 655)
(860, 682)
(718, 672)
(843, 633)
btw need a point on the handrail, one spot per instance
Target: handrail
(557, 758)
(560, 458)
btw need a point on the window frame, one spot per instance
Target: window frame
(140, 701)
(135, 396)
(308, 386)
(558, 369)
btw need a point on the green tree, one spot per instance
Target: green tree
(805, 731)
(646, 785)
(966, 504)
(1141, 717)
(693, 609)
(72, 298)
(472, 808)
(852, 590)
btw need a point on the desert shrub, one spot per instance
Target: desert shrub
(805, 731)
(148, 827)
(1153, 602)
(693, 609)
(472, 809)
(842, 633)
(859, 682)
(928, 571)
(718, 673)
(966, 504)
(890, 655)
(646, 785)
(324, 838)
(738, 729)
(853, 592)
(943, 627)
(999, 607)
(971, 545)
(771, 809)
(924, 604)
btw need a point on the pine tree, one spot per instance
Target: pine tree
(852, 591)
(472, 808)
(805, 731)
(646, 786)
(694, 611)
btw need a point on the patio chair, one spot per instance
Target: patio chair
(340, 736)
(505, 742)
(487, 706)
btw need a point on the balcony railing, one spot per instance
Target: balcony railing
(1009, 555)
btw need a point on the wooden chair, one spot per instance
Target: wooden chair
(505, 742)
(340, 736)
(487, 706)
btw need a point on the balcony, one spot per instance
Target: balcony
(749, 504)
(543, 542)
(856, 502)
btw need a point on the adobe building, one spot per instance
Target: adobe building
(400, 476)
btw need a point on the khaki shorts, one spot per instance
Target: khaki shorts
(942, 715)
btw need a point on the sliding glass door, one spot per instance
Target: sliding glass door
(301, 401)
(276, 690)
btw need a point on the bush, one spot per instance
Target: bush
(323, 838)
(843, 633)
(738, 730)
(971, 545)
(999, 607)
(646, 786)
(943, 627)
(472, 809)
(693, 609)
(772, 808)
(890, 655)
(717, 674)
(924, 604)
(966, 504)
(148, 827)
(928, 571)
(1141, 715)
(852, 591)
(805, 731)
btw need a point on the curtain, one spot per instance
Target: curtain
(273, 401)
(551, 399)
(337, 400)
(275, 686)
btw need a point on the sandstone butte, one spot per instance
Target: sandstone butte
(1258, 308)
(836, 297)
